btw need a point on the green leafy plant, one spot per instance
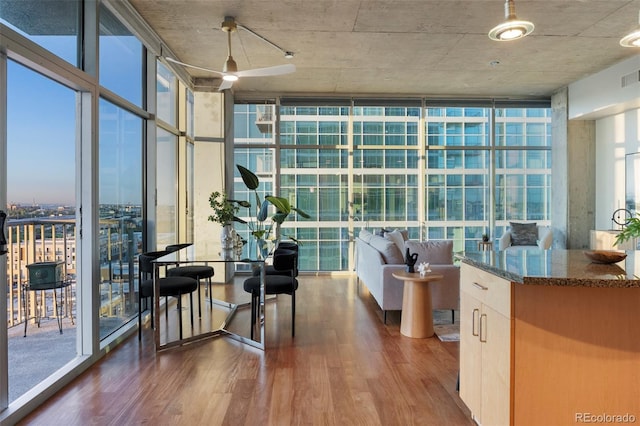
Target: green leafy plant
(225, 210)
(282, 207)
(631, 230)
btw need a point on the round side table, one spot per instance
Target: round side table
(417, 313)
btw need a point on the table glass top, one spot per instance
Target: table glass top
(214, 253)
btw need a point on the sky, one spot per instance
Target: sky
(41, 139)
(41, 133)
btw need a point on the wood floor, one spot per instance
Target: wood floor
(344, 367)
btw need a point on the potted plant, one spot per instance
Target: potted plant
(259, 230)
(224, 213)
(631, 230)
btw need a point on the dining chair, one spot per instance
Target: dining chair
(269, 269)
(285, 263)
(175, 286)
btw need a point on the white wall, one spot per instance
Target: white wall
(616, 112)
(616, 136)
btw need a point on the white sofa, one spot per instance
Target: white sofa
(542, 240)
(378, 257)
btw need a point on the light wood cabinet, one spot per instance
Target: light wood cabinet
(536, 354)
(485, 345)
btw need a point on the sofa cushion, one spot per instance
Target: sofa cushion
(397, 238)
(434, 252)
(524, 234)
(391, 254)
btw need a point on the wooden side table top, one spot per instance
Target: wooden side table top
(415, 276)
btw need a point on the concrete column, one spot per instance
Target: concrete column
(209, 173)
(573, 176)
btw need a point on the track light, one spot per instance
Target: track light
(632, 39)
(512, 28)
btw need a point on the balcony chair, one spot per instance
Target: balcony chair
(282, 281)
(175, 286)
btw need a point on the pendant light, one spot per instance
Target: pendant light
(632, 39)
(512, 28)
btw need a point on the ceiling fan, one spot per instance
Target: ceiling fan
(230, 71)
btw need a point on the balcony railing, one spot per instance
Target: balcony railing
(54, 240)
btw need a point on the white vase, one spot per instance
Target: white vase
(227, 237)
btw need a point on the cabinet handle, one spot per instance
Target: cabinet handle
(475, 313)
(483, 326)
(480, 286)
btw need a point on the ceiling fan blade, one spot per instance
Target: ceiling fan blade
(226, 84)
(266, 72)
(192, 66)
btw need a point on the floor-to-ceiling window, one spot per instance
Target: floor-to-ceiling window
(120, 200)
(107, 122)
(41, 182)
(447, 171)
(121, 170)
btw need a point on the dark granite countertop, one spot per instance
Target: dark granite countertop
(556, 267)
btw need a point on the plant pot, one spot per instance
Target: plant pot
(228, 237)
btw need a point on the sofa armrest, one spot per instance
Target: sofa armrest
(545, 238)
(504, 241)
(445, 294)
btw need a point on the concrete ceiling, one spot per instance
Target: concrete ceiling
(398, 47)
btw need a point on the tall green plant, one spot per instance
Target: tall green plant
(282, 206)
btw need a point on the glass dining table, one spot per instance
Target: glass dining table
(227, 305)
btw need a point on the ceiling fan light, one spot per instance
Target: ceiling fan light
(512, 28)
(632, 39)
(230, 77)
(230, 65)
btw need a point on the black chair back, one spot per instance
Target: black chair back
(145, 260)
(285, 260)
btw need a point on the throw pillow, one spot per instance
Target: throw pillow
(397, 238)
(524, 234)
(434, 252)
(389, 251)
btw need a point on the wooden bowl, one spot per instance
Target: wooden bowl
(605, 256)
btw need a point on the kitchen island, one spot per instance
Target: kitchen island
(547, 337)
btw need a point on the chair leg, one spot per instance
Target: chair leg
(191, 301)
(293, 313)
(139, 317)
(453, 316)
(199, 301)
(180, 314)
(25, 294)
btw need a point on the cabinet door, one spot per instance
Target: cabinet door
(470, 354)
(495, 338)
